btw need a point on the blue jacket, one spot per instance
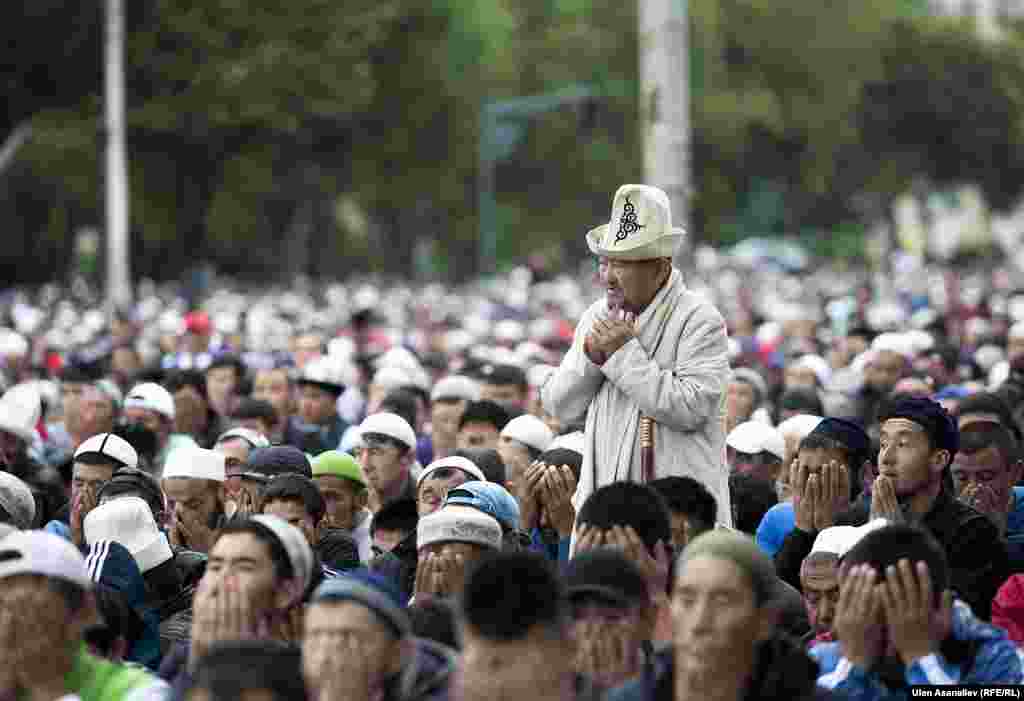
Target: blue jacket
(555, 553)
(775, 526)
(975, 653)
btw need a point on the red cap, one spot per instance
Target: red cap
(198, 323)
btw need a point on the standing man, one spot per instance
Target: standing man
(650, 348)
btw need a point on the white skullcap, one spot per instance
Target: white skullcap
(754, 437)
(399, 357)
(509, 331)
(20, 409)
(325, 371)
(894, 343)
(919, 341)
(529, 430)
(987, 356)
(456, 387)
(391, 377)
(1016, 331)
(300, 555)
(800, 425)
(195, 463)
(390, 425)
(816, 364)
(109, 446)
(255, 439)
(455, 461)
(839, 540)
(13, 343)
(152, 397)
(574, 441)
(462, 526)
(130, 522)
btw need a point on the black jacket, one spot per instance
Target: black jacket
(977, 555)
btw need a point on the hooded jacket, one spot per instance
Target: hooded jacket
(111, 565)
(974, 653)
(782, 671)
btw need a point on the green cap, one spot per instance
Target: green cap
(339, 464)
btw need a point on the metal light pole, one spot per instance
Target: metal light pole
(665, 101)
(119, 290)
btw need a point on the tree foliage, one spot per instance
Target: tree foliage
(326, 137)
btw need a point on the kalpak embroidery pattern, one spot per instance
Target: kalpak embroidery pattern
(628, 224)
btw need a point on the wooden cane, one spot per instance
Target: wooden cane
(647, 449)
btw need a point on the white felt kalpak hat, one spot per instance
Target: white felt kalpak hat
(129, 521)
(195, 463)
(107, 445)
(529, 430)
(640, 227)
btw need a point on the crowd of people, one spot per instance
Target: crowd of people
(725, 482)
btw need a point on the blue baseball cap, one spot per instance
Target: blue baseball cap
(488, 497)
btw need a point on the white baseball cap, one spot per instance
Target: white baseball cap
(456, 387)
(529, 430)
(195, 463)
(108, 445)
(754, 437)
(42, 553)
(390, 425)
(152, 397)
(455, 461)
(130, 522)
